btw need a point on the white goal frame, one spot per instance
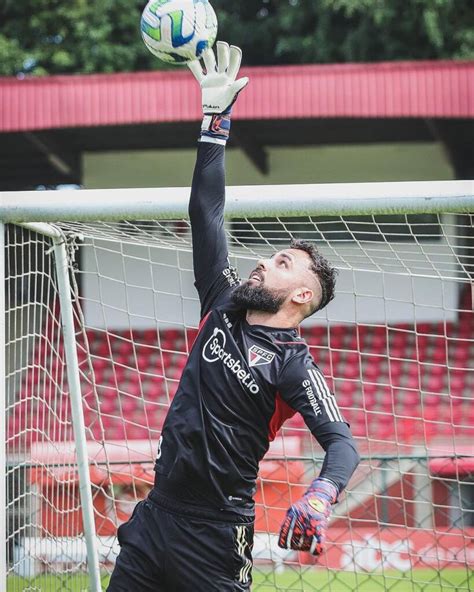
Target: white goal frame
(39, 211)
(339, 199)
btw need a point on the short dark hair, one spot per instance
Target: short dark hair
(321, 267)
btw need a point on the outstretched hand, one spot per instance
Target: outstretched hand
(306, 522)
(219, 83)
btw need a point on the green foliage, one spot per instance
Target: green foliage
(323, 31)
(54, 36)
(57, 36)
(12, 54)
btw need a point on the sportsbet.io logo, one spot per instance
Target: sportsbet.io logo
(214, 351)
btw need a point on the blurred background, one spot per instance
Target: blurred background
(41, 37)
(412, 122)
(341, 91)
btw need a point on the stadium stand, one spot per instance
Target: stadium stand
(384, 386)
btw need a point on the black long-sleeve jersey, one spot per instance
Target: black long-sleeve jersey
(241, 381)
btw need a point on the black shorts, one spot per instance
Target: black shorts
(166, 551)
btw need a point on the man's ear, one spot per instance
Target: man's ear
(302, 296)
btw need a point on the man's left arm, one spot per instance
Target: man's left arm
(220, 89)
(303, 387)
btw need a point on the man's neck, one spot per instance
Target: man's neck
(279, 320)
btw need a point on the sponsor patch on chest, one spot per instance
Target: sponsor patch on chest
(259, 356)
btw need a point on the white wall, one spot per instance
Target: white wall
(127, 285)
(309, 164)
(374, 286)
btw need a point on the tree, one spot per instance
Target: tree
(54, 37)
(51, 36)
(323, 31)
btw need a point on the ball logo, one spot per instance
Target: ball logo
(214, 351)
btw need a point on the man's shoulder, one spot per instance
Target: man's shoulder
(294, 353)
(287, 344)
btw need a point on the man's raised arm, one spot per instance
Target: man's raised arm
(206, 207)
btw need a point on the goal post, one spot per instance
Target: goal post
(100, 313)
(280, 200)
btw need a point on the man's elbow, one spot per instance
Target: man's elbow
(352, 452)
(357, 458)
(195, 207)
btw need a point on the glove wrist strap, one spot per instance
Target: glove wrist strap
(326, 486)
(215, 128)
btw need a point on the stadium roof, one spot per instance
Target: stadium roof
(385, 90)
(46, 124)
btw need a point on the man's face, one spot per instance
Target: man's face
(278, 281)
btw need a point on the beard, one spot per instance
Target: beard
(258, 298)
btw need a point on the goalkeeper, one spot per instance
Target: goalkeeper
(247, 373)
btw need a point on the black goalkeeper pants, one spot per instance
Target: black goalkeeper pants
(166, 551)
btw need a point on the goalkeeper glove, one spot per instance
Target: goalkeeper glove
(306, 522)
(219, 89)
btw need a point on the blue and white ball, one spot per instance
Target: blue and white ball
(178, 31)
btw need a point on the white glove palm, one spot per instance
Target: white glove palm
(219, 85)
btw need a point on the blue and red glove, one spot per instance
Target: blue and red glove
(306, 522)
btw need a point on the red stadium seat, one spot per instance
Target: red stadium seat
(411, 399)
(352, 372)
(151, 408)
(136, 432)
(109, 393)
(119, 374)
(150, 336)
(345, 401)
(371, 372)
(181, 361)
(462, 354)
(108, 406)
(347, 387)
(124, 348)
(456, 385)
(369, 388)
(359, 430)
(132, 388)
(115, 431)
(142, 362)
(108, 421)
(102, 349)
(167, 359)
(438, 356)
(128, 405)
(99, 363)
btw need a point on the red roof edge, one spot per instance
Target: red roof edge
(382, 90)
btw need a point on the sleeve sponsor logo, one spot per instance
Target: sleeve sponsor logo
(232, 276)
(311, 397)
(325, 396)
(159, 452)
(214, 351)
(227, 321)
(259, 356)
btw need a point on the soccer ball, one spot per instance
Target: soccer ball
(178, 31)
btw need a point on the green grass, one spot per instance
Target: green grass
(298, 580)
(309, 580)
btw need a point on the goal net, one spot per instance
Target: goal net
(95, 350)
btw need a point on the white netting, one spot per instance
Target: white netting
(397, 345)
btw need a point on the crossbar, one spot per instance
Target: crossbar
(242, 201)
